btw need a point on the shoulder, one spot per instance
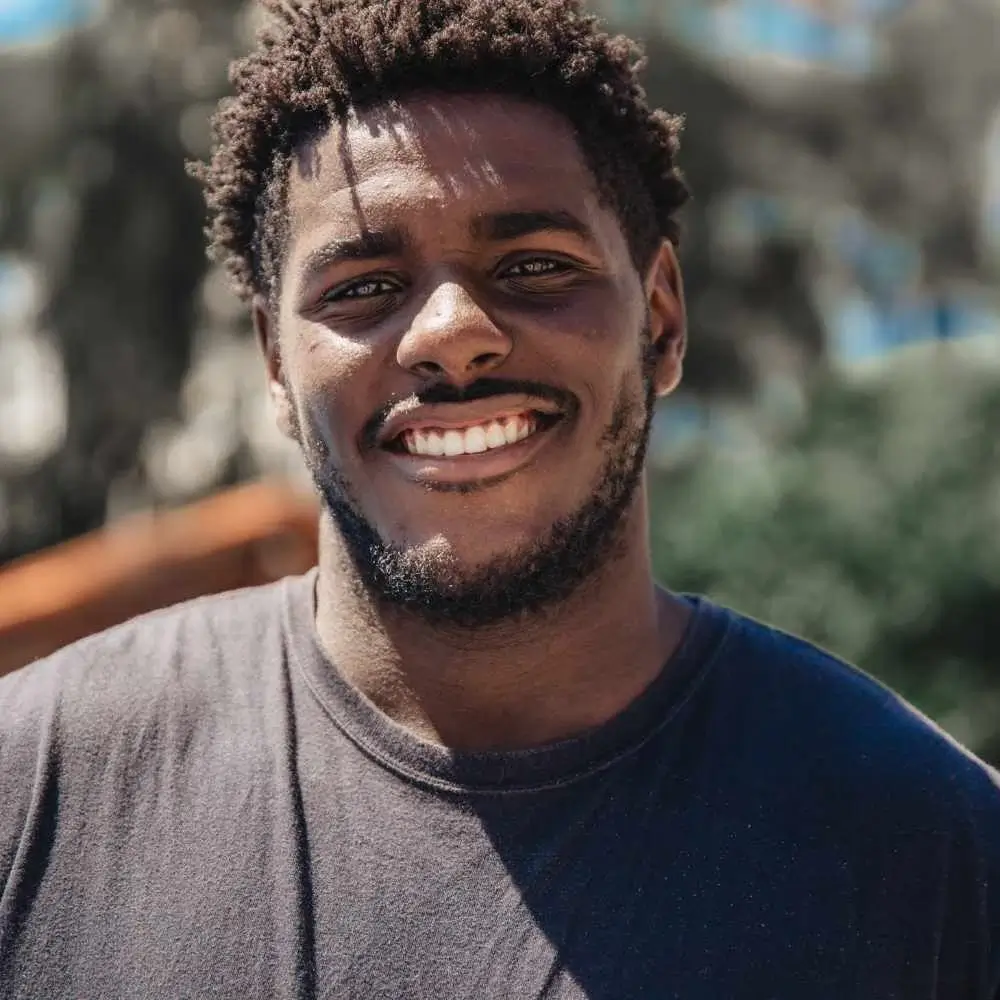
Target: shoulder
(828, 764)
(155, 710)
(186, 641)
(175, 666)
(803, 709)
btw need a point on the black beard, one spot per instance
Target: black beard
(526, 581)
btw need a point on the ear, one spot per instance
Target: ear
(664, 289)
(266, 328)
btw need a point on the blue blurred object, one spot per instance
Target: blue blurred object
(784, 30)
(27, 21)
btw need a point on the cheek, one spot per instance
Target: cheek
(609, 365)
(332, 378)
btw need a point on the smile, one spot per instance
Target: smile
(489, 435)
(445, 452)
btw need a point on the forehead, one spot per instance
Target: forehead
(435, 163)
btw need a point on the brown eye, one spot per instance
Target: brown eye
(366, 288)
(535, 267)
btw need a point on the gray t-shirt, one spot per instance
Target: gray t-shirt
(195, 804)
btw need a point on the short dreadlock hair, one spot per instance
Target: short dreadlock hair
(316, 60)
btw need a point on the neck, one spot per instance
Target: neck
(536, 680)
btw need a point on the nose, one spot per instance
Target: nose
(453, 337)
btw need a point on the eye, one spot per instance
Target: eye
(536, 267)
(362, 288)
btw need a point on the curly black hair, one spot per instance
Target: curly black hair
(318, 59)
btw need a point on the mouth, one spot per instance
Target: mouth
(491, 435)
(454, 453)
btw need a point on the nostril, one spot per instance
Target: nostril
(434, 369)
(489, 358)
(428, 368)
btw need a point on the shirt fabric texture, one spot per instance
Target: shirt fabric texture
(196, 804)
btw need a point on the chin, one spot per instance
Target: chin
(467, 556)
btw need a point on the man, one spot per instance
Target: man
(479, 753)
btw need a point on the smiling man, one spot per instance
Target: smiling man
(478, 752)
(468, 354)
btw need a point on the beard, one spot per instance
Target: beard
(429, 583)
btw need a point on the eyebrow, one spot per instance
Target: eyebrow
(373, 244)
(368, 245)
(511, 225)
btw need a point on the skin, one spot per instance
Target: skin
(450, 291)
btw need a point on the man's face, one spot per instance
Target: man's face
(466, 353)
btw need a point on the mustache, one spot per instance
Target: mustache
(484, 388)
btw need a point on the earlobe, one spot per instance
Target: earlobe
(266, 331)
(664, 289)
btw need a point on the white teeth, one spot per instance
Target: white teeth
(495, 437)
(435, 443)
(454, 443)
(470, 441)
(475, 440)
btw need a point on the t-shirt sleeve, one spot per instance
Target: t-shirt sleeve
(982, 793)
(60, 721)
(80, 729)
(29, 757)
(943, 861)
(916, 815)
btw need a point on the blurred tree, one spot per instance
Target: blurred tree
(865, 183)
(101, 207)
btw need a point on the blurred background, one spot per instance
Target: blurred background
(831, 465)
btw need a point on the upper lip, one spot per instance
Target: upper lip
(458, 415)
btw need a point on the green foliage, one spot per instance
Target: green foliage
(871, 528)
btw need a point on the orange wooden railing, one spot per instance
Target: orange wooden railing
(244, 536)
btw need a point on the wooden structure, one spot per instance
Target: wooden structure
(238, 538)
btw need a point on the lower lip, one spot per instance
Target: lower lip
(482, 467)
